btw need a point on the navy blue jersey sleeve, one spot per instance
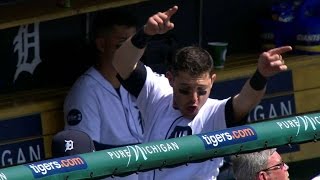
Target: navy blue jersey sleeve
(135, 82)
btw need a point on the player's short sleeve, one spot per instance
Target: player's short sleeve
(211, 116)
(155, 89)
(81, 112)
(316, 178)
(148, 87)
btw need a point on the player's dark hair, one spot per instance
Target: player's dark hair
(105, 20)
(192, 60)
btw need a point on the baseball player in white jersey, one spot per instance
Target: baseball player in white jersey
(97, 104)
(180, 105)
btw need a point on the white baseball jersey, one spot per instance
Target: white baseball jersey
(316, 178)
(95, 107)
(162, 121)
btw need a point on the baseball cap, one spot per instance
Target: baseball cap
(70, 142)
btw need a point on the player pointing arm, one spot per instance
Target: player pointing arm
(269, 63)
(130, 53)
(179, 104)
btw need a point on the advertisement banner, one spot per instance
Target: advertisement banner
(273, 133)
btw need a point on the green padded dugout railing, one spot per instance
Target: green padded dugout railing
(159, 154)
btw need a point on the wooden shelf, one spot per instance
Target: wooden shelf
(30, 11)
(30, 102)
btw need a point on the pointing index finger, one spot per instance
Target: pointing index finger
(280, 50)
(171, 11)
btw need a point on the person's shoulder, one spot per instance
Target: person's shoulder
(160, 79)
(213, 105)
(211, 102)
(316, 178)
(84, 84)
(81, 91)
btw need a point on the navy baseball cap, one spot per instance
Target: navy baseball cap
(71, 142)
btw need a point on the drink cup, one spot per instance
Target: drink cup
(218, 51)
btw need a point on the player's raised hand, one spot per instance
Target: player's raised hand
(160, 23)
(271, 62)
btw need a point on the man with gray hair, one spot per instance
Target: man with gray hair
(261, 165)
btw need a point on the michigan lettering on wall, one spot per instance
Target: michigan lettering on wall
(21, 152)
(276, 106)
(272, 107)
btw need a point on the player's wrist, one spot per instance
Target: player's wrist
(258, 81)
(140, 39)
